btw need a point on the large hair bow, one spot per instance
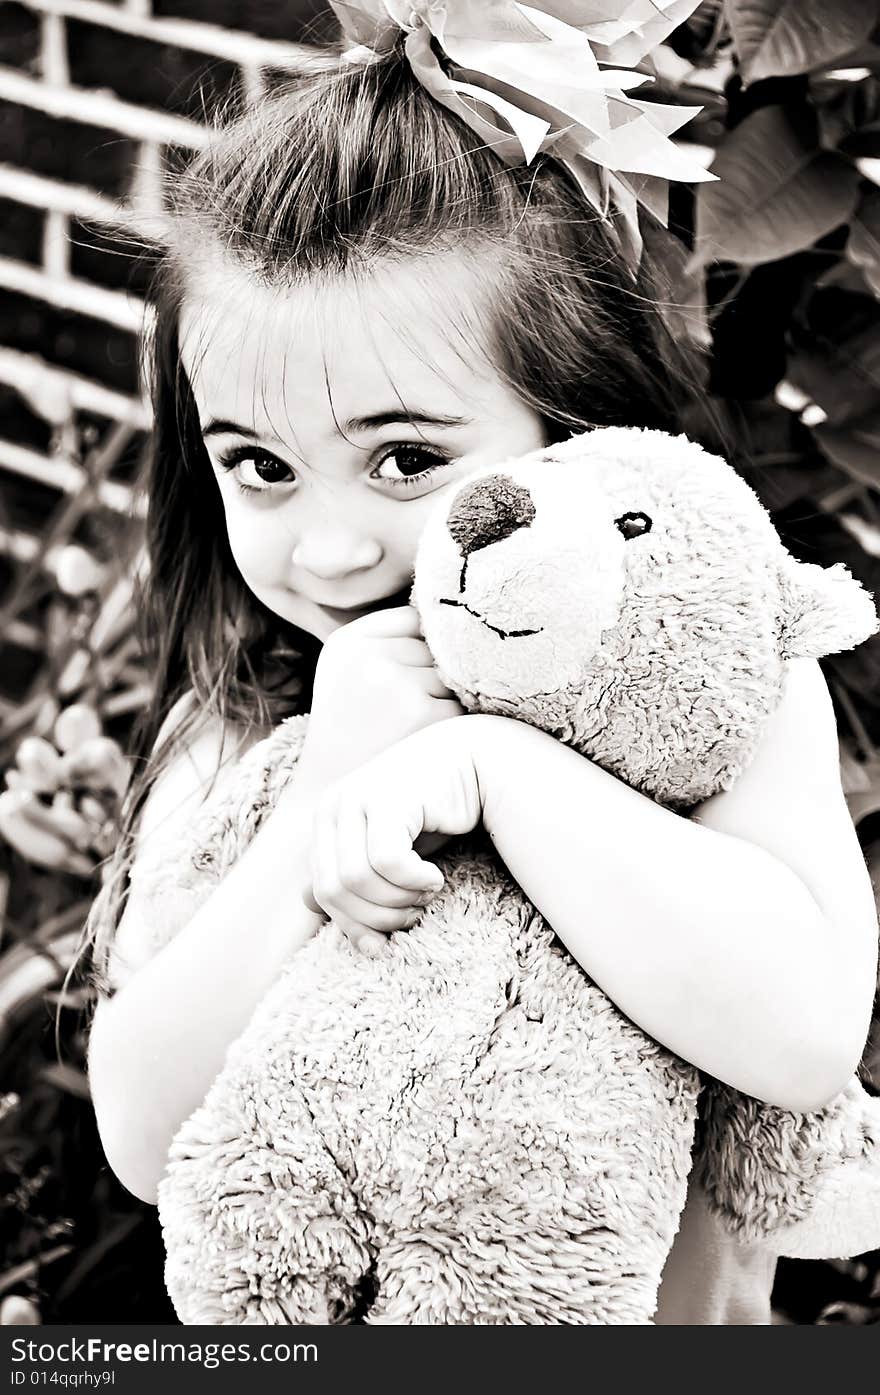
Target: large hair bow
(555, 78)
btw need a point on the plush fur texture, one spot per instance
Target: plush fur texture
(465, 1130)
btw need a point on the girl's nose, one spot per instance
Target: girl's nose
(333, 555)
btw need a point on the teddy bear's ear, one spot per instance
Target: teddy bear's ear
(824, 610)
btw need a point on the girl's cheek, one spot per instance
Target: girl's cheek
(261, 553)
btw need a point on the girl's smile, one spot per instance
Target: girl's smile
(332, 428)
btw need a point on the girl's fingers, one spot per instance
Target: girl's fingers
(410, 652)
(390, 853)
(368, 942)
(352, 913)
(354, 870)
(396, 622)
(436, 688)
(448, 707)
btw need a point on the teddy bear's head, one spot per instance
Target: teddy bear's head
(627, 592)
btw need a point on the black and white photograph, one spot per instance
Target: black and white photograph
(439, 670)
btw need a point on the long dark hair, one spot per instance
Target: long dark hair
(347, 165)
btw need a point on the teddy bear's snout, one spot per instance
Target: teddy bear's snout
(486, 512)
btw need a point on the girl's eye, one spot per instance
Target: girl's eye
(403, 467)
(267, 469)
(408, 466)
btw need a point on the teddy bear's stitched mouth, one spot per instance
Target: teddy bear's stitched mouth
(505, 634)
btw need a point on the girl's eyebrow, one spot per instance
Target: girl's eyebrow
(217, 426)
(398, 417)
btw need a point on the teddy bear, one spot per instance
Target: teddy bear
(464, 1129)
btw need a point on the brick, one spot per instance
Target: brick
(106, 259)
(94, 429)
(35, 613)
(152, 74)
(292, 21)
(18, 669)
(21, 231)
(20, 38)
(85, 345)
(64, 149)
(175, 160)
(102, 532)
(276, 79)
(27, 504)
(20, 424)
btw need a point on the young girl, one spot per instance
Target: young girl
(359, 306)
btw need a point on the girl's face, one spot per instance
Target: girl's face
(335, 416)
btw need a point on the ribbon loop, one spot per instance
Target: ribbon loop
(554, 77)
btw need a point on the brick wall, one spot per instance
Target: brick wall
(93, 96)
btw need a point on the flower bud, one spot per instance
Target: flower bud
(93, 809)
(40, 763)
(77, 572)
(98, 763)
(18, 1311)
(76, 724)
(28, 826)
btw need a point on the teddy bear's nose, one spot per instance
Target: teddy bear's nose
(487, 511)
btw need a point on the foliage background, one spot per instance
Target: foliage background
(777, 274)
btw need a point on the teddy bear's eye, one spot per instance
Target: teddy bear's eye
(633, 525)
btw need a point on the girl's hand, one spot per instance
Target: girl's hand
(375, 684)
(366, 874)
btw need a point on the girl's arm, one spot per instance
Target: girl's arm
(745, 938)
(159, 1042)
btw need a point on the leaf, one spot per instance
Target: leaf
(777, 192)
(863, 244)
(842, 376)
(865, 56)
(97, 1252)
(32, 1266)
(848, 114)
(683, 295)
(843, 276)
(779, 38)
(854, 779)
(853, 450)
(868, 534)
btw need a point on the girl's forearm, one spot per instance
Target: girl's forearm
(158, 1044)
(709, 943)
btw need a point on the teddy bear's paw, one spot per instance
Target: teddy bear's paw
(468, 1274)
(260, 1220)
(259, 1256)
(227, 1299)
(807, 1184)
(844, 1219)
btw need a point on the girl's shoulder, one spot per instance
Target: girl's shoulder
(205, 761)
(207, 756)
